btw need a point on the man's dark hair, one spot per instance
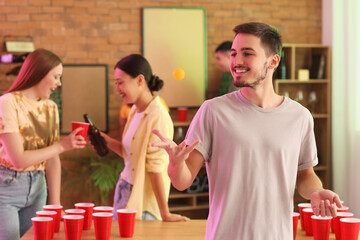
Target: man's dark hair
(269, 36)
(224, 47)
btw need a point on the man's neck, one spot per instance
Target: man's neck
(263, 97)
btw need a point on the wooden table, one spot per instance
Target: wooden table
(155, 230)
(149, 230)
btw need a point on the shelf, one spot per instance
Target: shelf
(310, 81)
(181, 124)
(188, 201)
(320, 116)
(320, 168)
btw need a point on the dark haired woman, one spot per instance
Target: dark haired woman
(143, 184)
(29, 144)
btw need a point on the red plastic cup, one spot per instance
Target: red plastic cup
(51, 214)
(307, 213)
(295, 223)
(321, 227)
(343, 209)
(301, 207)
(85, 127)
(126, 220)
(73, 225)
(57, 209)
(103, 209)
(88, 207)
(336, 223)
(102, 224)
(42, 227)
(75, 212)
(349, 228)
(182, 114)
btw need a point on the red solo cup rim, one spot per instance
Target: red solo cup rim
(53, 207)
(81, 122)
(103, 208)
(296, 214)
(350, 220)
(46, 212)
(308, 210)
(182, 108)
(75, 210)
(102, 214)
(344, 208)
(345, 214)
(83, 204)
(42, 219)
(306, 205)
(321, 218)
(126, 211)
(73, 217)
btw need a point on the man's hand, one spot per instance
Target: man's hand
(325, 203)
(177, 153)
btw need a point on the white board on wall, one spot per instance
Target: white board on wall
(177, 38)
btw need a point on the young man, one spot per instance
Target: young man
(223, 56)
(257, 146)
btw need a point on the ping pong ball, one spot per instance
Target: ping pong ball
(179, 74)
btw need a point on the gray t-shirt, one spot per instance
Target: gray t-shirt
(252, 157)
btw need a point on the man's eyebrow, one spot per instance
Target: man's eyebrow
(244, 49)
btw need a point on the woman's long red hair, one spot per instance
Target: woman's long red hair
(35, 67)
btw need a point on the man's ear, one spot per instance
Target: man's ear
(274, 62)
(228, 55)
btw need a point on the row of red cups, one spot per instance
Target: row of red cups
(48, 221)
(319, 227)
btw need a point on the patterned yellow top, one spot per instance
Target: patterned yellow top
(36, 121)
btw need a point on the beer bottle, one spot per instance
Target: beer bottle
(96, 139)
(281, 71)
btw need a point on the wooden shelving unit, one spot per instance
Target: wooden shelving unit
(188, 201)
(305, 56)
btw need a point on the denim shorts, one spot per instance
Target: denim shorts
(21, 195)
(122, 194)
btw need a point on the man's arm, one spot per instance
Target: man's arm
(185, 163)
(323, 201)
(182, 174)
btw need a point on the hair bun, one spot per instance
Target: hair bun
(155, 83)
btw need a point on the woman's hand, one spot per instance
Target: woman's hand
(73, 141)
(171, 217)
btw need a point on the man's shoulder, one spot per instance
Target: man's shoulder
(299, 109)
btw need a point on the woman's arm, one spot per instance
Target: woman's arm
(113, 144)
(53, 177)
(21, 158)
(159, 191)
